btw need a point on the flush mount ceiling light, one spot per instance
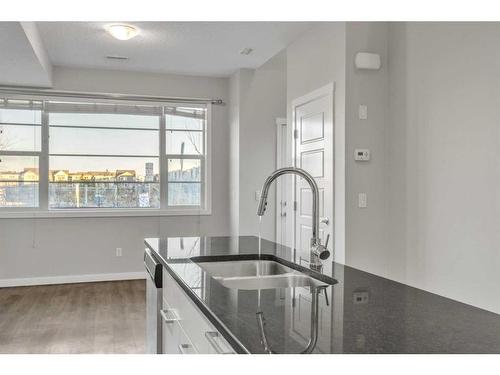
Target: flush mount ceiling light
(121, 31)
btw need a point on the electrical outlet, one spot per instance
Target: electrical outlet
(362, 154)
(360, 297)
(118, 251)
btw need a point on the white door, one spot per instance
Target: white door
(313, 143)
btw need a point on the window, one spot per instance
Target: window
(77, 155)
(20, 148)
(103, 156)
(185, 143)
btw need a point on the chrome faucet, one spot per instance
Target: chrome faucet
(313, 338)
(317, 250)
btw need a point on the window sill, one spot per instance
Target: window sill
(101, 213)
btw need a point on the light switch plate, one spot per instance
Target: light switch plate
(362, 200)
(363, 112)
(257, 195)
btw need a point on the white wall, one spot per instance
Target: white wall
(433, 214)
(260, 97)
(234, 152)
(314, 60)
(366, 228)
(444, 159)
(75, 246)
(433, 203)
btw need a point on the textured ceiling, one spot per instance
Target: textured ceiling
(195, 48)
(20, 60)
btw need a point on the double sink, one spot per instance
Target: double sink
(262, 274)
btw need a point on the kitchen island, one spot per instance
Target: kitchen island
(361, 313)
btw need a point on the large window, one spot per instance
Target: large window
(76, 155)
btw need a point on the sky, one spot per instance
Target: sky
(144, 143)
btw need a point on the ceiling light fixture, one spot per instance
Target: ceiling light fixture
(121, 31)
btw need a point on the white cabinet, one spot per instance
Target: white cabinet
(186, 330)
(175, 340)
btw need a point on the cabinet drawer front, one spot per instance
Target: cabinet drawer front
(192, 321)
(175, 340)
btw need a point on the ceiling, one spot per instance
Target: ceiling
(23, 60)
(194, 48)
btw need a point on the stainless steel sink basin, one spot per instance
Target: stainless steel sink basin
(245, 268)
(257, 274)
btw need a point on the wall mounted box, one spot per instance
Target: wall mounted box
(365, 60)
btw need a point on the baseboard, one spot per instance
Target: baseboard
(69, 279)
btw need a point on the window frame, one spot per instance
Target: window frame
(38, 154)
(43, 211)
(205, 183)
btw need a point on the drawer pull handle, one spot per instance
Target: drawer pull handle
(213, 338)
(186, 349)
(169, 315)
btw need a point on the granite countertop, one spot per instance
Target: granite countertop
(362, 313)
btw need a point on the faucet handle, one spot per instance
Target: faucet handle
(325, 290)
(327, 239)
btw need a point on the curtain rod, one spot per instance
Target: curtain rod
(103, 96)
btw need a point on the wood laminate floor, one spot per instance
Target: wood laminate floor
(103, 317)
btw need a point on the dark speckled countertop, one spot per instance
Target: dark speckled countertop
(365, 313)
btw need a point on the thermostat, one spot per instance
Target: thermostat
(361, 154)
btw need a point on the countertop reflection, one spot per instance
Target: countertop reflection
(363, 313)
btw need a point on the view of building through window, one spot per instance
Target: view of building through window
(20, 146)
(102, 155)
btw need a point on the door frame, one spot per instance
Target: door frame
(328, 89)
(281, 162)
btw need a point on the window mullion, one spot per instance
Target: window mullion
(20, 153)
(163, 162)
(43, 184)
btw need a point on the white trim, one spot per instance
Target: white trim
(315, 94)
(207, 181)
(116, 212)
(163, 160)
(280, 163)
(43, 162)
(70, 279)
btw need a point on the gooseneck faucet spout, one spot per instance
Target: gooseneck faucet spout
(318, 251)
(313, 338)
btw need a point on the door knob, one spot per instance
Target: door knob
(324, 220)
